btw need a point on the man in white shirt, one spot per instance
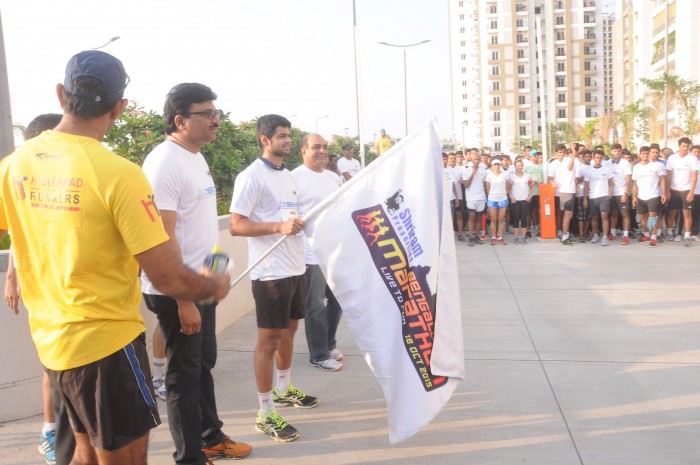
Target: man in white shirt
(597, 193)
(622, 182)
(264, 208)
(186, 195)
(315, 184)
(347, 165)
(682, 169)
(472, 179)
(562, 174)
(648, 193)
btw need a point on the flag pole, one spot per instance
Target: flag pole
(257, 262)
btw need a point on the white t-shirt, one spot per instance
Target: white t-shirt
(597, 179)
(450, 181)
(475, 191)
(182, 183)
(266, 195)
(351, 166)
(697, 184)
(520, 186)
(581, 173)
(497, 190)
(648, 179)
(457, 173)
(565, 178)
(312, 188)
(620, 171)
(681, 169)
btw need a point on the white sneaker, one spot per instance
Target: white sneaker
(336, 355)
(677, 238)
(559, 234)
(328, 364)
(595, 238)
(695, 238)
(159, 388)
(604, 240)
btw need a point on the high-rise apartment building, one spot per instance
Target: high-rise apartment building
(495, 68)
(653, 37)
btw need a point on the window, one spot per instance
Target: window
(461, 3)
(493, 9)
(497, 132)
(521, 69)
(494, 24)
(465, 109)
(465, 96)
(519, 23)
(462, 30)
(561, 35)
(587, 66)
(461, 17)
(494, 55)
(495, 71)
(588, 97)
(463, 56)
(521, 38)
(521, 84)
(464, 70)
(562, 113)
(522, 115)
(560, 51)
(463, 43)
(497, 146)
(589, 112)
(521, 53)
(561, 82)
(561, 67)
(497, 116)
(494, 40)
(497, 101)
(496, 85)
(523, 130)
(588, 81)
(561, 98)
(559, 20)
(521, 99)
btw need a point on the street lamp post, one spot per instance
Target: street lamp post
(405, 87)
(113, 39)
(320, 117)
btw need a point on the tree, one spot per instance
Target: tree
(626, 119)
(681, 93)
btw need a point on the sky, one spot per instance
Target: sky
(293, 58)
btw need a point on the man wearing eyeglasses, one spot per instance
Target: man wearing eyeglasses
(315, 184)
(186, 196)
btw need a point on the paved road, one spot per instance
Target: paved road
(574, 355)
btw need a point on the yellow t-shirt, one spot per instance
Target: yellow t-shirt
(78, 214)
(382, 145)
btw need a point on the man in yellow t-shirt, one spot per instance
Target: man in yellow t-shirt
(382, 144)
(82, 221)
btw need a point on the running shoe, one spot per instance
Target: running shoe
(461, 238)
(652, 242)
(677, 238)
(294, 397)
(687, 242)
(595, 238)
(227, 449)
(523, 241)
(328, 364)
(559, 234)
(472, 241)
(493, 241)
(276, 427)
(604, 241)
(528, 235)
(47, 445)
(516, 241)
(611, 237)
(159, 388)
(643, 238)
(567, 241)
(484, 238)
(501, 241)
(625, 240)
(695, 238)
(336, 355)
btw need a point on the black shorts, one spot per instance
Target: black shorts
(679, 199)
(618, 204)
(583, 213)
(599, 205)
(535, 202)
(652, 205)
(278, 301)
(566, 202)
(111, 400)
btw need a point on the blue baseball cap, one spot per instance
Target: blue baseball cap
(101, 66)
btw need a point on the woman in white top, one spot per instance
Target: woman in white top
(521, 191)
(497, 192)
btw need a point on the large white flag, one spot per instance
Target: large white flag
(385, 244)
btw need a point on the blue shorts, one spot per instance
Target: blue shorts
(499, 204)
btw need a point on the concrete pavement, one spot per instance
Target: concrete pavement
(574, 355)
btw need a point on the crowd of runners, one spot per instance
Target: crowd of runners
(650, 196)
